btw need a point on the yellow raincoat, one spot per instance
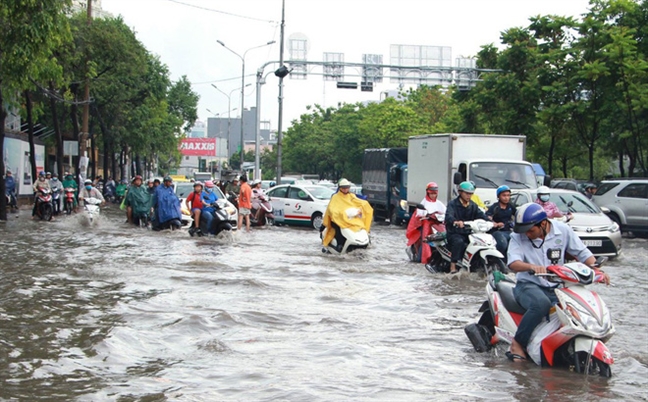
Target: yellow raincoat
(348, 212)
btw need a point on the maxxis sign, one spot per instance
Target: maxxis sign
(198, 146)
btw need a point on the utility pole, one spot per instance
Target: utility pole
(281, 59)
(85, 123)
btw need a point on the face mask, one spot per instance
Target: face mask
(209, 190)
(544, 198)
(55, 179)
(88, 187)
(41, 178)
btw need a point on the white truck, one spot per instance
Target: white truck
(488, 160)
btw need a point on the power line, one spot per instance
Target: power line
(222, 12)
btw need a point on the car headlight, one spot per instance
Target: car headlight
(403, 204)
(230, 210)
(614, 227)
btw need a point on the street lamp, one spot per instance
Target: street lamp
(229, 121)
(243, 88)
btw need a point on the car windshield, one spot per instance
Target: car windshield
(495, 174)
(321, 193)
(575, 203)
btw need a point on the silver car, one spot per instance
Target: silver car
(597, 231)
(627, 202)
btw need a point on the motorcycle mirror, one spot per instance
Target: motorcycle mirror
(420, 206)
(600, 261)
(554, 254)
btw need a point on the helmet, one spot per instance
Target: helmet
(87, 181)
(48, 174)
(137, 177)
(432, 186)
(41, 173)
(255, 182)
(502, 189)
(344, 183)
(209, 184)
(590, 185)
(527, 216)
(543, 190)
(473, 183)
(54, 175)
(168, 178)
(466, 187)
(197, 183)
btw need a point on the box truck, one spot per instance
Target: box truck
(488, 160)
(384, 183)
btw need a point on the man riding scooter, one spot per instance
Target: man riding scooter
(421, 223)
(345, 211)
(10, 189)
(138, 202)
(166, 206)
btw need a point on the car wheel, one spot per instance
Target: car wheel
(316, 220)
(616, 219)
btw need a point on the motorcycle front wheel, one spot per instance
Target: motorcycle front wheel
(46, 212)
(595, 366)
(491, 265)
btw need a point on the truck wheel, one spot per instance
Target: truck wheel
(393, 217)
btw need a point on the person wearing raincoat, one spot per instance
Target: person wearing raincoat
(346, 211)
(425, 220)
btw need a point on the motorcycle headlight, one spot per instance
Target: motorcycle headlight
(403, 205)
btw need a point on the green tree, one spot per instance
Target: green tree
(31, 29)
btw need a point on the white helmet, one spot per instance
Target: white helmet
(543, 190)
(344, 183)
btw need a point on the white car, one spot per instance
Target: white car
(183, 189)
(597, 231)
(300, 204)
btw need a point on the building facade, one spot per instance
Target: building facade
(230, 130)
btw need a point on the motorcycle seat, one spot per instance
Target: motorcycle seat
(505, 290)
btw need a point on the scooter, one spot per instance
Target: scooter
(432, 221)
(68, 205)
(92, 209)
(481, 255)
(345, 240)
(265, 215)
(44, 208)
(220, 223)
(56, 200)
(233, 199)
(12, 202)
(578, 327)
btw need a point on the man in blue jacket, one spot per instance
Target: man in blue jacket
(459, 210)
(166, 204)
(10, 189)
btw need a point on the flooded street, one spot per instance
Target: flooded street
(117, 313)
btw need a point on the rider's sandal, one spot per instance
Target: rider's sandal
(514, 357)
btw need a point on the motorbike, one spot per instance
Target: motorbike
(576, 331)
(233, 199)
(44, 208)
(220, 222)
(345, 240)
(481, 255)
(120, 192)
(109, 193)
(12, 201)
(434, 225)
(68, 203)
(92, 209)
(56, 200)
(265, 212)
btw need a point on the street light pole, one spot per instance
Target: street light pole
(243, 90)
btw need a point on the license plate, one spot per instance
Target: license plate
(593, 243)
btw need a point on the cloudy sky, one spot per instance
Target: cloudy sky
(184, 33)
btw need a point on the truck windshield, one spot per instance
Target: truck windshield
(495, 174)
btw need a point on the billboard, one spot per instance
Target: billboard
(198, 147)
(436, 63)
(16, 158)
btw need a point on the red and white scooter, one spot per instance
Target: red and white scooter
(578, 327)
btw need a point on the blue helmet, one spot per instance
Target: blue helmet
(527, 216)
(502, 189)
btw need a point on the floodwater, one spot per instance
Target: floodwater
(116, 313)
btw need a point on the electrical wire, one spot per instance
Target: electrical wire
(222, 12)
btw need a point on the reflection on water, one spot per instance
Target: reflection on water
(110, 312)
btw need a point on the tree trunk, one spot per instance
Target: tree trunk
(552, 146)
(30, 130)
(3, 117)
(74, 117)
(621, 167)
(93, 157)
(59, 136)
